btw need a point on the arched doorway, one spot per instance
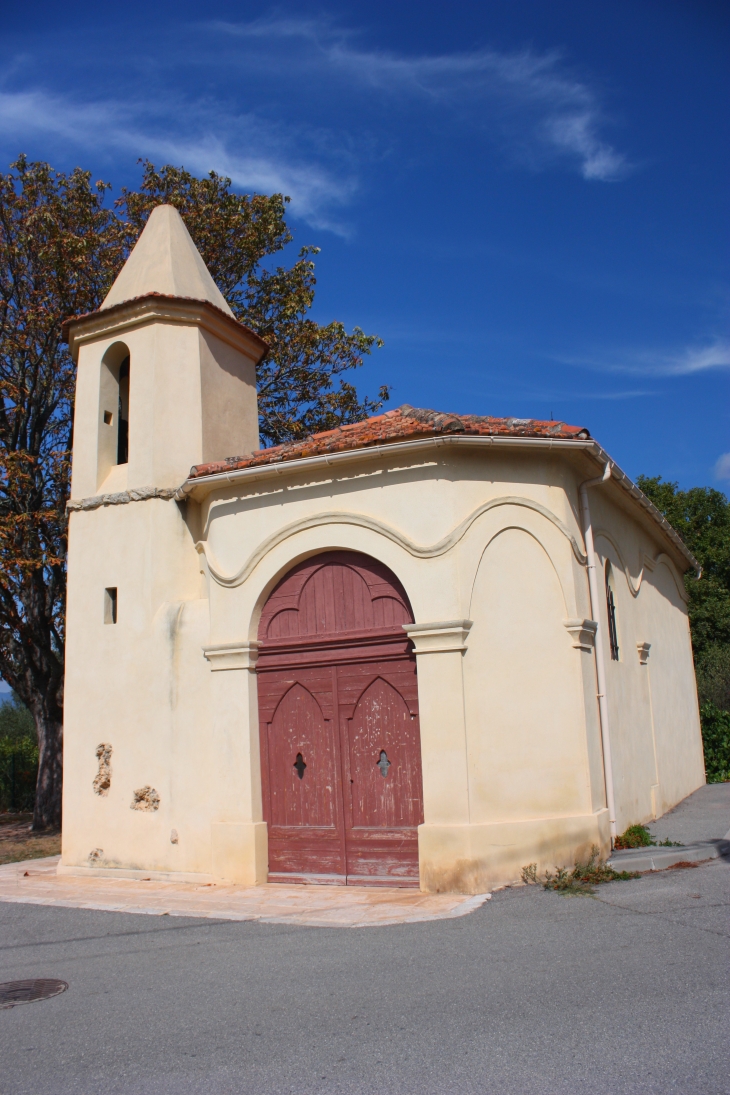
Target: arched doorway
(338, 712)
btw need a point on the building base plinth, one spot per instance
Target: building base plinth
(473, 859)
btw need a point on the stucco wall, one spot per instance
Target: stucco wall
(655, 731)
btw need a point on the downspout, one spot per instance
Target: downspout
(597, 613)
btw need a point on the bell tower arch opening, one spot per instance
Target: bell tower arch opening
(113, 444)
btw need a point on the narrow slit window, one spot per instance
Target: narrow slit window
(110, 605)
(123, 415)
(611, 612)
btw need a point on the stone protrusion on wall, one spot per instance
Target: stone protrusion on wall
(582, 632)
(146, 798)
(103, 778)
(643, 649)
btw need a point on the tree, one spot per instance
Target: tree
(61, 246)
(701, 516)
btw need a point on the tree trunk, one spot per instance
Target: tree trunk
(47, 811)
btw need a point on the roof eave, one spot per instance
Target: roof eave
(160, 307)
(199, 488)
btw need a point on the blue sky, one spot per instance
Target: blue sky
(527, 201)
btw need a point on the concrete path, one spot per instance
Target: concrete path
(698, 824)
(35, 882)
(705, 815)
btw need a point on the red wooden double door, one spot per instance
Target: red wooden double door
(338, 712)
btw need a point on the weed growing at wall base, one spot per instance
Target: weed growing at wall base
(638, 836)
(580, 881)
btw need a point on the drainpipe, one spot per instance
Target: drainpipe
(597, 613)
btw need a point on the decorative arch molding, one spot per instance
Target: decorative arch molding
(678, 581)
(538, 541)
(646, 562)
(418, 551)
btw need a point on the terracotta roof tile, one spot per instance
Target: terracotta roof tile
(404, 423)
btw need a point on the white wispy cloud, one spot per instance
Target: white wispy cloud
(527, 102)
(722, 467)
(528, 99)
(683, 362)
(131, 126)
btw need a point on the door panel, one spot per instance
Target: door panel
(384, 767)
(386, 798)
(304, 802)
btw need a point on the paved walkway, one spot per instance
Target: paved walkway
(35, 882)
(703, 816)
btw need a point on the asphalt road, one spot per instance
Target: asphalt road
(533, 993)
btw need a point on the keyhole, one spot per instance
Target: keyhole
(299, 765)
(383, 763)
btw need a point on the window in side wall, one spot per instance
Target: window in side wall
(611, 612)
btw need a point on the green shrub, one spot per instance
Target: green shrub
(716, 741)
(16, 720)
(18, 756)
(18, 773)
(636, 836)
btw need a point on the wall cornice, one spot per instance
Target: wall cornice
(157, 308)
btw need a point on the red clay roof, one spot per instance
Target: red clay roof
(406, 423)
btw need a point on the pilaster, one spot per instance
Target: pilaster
(439, 649)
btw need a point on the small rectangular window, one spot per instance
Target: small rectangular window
(108, 418)
(110, 605)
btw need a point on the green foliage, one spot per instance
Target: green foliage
(16, 721)
(716, 739)
(18, 757)
(580, 881)
(636, 836)
(701, 516)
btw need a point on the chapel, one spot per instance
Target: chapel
(423, 650)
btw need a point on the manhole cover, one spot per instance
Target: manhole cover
(27, 992)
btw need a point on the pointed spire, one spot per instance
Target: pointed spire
(165, 260)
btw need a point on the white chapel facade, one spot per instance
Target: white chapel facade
(423, 650)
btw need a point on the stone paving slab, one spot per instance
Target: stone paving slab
(36, 882)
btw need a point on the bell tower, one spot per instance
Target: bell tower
(166, 374)
(166, 379)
